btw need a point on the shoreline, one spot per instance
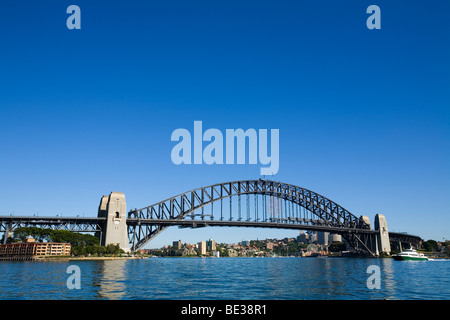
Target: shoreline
(46, 259)
(71, 258)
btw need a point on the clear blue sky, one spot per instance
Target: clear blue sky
(364, 115)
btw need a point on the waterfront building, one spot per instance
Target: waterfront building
(202, 247)
(211, 245)
(30, 248)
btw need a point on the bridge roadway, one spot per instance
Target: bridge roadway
(77, 224)
(96, 224)
(187, 223)
(275, 223)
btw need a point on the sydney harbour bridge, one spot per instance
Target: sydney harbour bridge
(245, 203)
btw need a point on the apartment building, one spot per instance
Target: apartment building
(32, 248)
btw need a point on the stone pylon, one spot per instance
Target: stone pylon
(115, 231)
(384, 244)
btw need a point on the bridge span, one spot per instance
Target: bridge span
(245, 203)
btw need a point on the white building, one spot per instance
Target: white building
(202, 247)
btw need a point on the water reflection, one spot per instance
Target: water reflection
(309, 278)
(389, 285)
(228, 278)
(110, 279)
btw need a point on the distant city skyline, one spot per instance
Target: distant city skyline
(306, 244)
(362, 115)
(302, 236)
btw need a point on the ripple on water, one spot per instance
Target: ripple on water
(227, 278)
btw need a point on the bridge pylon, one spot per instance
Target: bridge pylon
(115, 230)
(383, 242)
(378, 242)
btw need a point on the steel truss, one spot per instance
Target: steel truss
(146, 223)
(76, 224)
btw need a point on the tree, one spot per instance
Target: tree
(430, 245)
(81, 244)
(336, 247)
(39, 234)
(113, 249)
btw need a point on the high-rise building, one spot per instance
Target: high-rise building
(303, 237)
(202, 247)
(322, 237)
(177, 244)
(211, 245)
(313, 236)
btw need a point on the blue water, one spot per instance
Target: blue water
(227, 278)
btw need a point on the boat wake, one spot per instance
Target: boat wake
(431, 259)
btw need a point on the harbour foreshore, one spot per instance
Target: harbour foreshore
(65, 258)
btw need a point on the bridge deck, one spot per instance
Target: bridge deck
(77, 224)
(226, 223)
(18, 221)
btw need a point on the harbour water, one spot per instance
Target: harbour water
(227, 278)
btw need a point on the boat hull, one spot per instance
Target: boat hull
(400, 258)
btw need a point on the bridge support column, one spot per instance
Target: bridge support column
(115, 231)
(372, 240)
(384, 245)
(8, 233)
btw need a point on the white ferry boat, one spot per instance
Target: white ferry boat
(410, 254)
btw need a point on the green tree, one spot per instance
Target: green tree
(429, 245)
(82, 244)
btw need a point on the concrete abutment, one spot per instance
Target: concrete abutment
(115, 231)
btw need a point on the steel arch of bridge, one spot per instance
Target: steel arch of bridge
(146, 223)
